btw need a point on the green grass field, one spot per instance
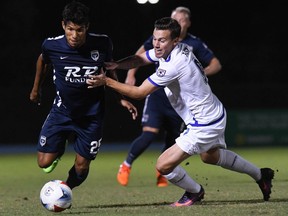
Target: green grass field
(227, 193)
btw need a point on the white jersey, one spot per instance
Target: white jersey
(186, 86)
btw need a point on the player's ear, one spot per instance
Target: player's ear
(176, 40)
(188, 23)
(63, 25)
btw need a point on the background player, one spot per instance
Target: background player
(158, 112)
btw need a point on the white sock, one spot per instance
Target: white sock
(127, 164)
(232, 161)
(180, 178)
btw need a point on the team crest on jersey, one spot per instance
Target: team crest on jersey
(42, 140)
(160, 72)
(185, 51)
(95, 55)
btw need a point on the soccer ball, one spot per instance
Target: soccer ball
(56, 196)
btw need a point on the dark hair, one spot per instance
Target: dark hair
(77, 13)
(168, 23)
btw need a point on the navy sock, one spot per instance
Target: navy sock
(75, 179)
(139, 145)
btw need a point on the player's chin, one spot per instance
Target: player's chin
(74, 44)
(158, 54)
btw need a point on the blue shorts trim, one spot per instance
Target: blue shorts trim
(196, 124)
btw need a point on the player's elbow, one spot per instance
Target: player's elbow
(140, 92)
(219, 67)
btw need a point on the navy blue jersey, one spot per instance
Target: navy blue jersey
(200, 49)
(71, 69)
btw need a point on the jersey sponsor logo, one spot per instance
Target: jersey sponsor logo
(76, 75)
(95, 55)
(42, 140)
(160, 72)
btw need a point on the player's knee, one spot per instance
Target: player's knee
(210, 157)
(44, 163)
(206, 159)
(163, 168)
(150, 129)
(45, 159)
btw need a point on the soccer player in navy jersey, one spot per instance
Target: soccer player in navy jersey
(76, 110)
(187, 88)
(157, 111)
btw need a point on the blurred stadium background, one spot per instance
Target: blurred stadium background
(249, 38)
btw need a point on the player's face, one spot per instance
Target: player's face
(75, 34)
(163, 44)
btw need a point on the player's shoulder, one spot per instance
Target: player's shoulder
(54, 39)
(190, 38)
(51, 42)
(196, 42)
(99, 40)
(181, 53)
(101, 37)
(183, 49)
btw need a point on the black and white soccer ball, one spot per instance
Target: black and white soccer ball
(56, 196)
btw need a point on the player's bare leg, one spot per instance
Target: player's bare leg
(48, 161)
(168, 165)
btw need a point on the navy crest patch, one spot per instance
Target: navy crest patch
(160, 72)
(95, 55)
(42, 140)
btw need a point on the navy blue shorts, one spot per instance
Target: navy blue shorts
(58, 127)
(158, 113)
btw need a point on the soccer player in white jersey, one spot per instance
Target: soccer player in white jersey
(158, 114)
(187, 88)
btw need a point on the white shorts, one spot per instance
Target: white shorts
(196, 140)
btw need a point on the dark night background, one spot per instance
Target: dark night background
(249, 38)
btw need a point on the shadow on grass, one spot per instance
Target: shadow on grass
(231, 202)
(210, 202)
(129, 205)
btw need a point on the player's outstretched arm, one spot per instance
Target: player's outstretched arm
(129, 62)
(131, 73)
(135, 92)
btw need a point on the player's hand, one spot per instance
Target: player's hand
(111, 65)
(130, 107)
(96, 80)
(35, 97)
